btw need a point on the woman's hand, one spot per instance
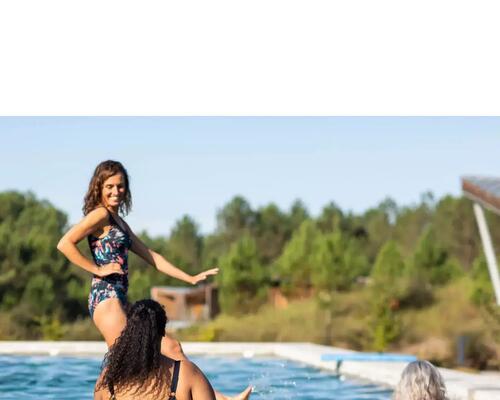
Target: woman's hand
(203, 275)
(109, 269)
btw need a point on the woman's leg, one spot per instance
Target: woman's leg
(110, 319)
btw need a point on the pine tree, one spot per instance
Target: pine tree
(242, 279)
(295, 264)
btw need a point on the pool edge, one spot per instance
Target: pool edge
(461, 385)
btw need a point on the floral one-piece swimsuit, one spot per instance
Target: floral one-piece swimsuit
(113, 247)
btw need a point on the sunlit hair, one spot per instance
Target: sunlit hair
(105, 170)
(135, 360)
(420, 380)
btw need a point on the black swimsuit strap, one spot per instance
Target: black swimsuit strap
(175, 379)
(113, 221)
(110, 217)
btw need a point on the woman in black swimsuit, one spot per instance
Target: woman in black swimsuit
(134, 367)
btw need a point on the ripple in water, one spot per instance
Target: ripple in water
(71, 378)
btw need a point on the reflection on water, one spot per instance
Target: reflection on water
(41, 377)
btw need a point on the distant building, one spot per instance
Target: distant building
(187, 304)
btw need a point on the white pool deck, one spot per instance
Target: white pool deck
(461, 385)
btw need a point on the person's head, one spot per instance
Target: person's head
(108, 187)
(135, 357)
(420, 380)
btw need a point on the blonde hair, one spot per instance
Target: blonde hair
(420, 380)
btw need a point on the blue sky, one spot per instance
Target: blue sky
(194, 165)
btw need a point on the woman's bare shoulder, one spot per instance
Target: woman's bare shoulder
(188, 367)
(191, 371)
(198, 384)
(98, 217)
(99, 213)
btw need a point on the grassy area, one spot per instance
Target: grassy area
(429, 332)
(47, 329)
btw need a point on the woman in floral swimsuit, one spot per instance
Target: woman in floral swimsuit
(113, 247)
(110, 239)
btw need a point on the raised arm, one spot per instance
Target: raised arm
(162, 265)
(92, 222)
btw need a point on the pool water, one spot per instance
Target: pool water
(68, 378)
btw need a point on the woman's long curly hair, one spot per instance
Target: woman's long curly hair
(420, 380)
(135, 360)
(105, 170)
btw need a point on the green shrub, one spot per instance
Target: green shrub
(50, 328)
(482, 289)
(479, 352)
(386, 326)
(242, 279)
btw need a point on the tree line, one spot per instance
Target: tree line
(400, 253)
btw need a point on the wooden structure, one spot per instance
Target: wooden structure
(190, 304)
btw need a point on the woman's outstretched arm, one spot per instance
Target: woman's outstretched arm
(162, 265)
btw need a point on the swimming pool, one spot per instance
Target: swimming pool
(71, 378)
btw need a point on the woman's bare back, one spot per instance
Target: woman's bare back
(191, 385)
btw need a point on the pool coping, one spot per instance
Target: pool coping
(460, 385)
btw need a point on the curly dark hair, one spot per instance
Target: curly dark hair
(103, 171)
(135, 359)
